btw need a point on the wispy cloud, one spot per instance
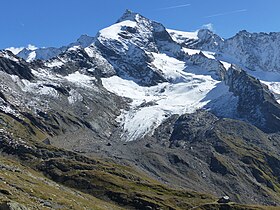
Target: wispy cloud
(226, 13)
(175, 7)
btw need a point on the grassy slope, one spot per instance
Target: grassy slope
(99, 183)
(33, 190)
(253, 158)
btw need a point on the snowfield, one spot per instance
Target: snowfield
(80, 79)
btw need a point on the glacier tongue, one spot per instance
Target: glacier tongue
(150, 106)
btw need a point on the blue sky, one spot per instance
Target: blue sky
(59, 22)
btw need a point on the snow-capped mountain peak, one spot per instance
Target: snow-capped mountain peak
(164, 66)
(129, 15)
(83, 41)
(175, 103)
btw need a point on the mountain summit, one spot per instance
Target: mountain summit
(189, 109)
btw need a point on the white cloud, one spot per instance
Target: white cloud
(31, 47)
(208, 26)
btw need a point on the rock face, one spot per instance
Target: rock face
(128, 46)
(256, 103)
(182, 107)
(10, 64)
(256, 51)
(85, 60)
(217, 149)
(12, 206)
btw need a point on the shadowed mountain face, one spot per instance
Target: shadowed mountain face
(109, 115)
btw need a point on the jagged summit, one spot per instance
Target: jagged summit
(14, 65)
(83, 41)
(243, 33)
(129, 15)
(141, 20)
(205, 34)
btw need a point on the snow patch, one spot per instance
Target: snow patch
(54, 63)
(226, 65)
(6, 55)
(274, 87)
(91, 53)
(80, 79)
(74, 97)
(191, 51)
(74, 48)
(209, 55)
(31, 56)
(44, 90)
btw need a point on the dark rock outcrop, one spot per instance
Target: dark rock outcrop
(256, 103)
(11, 64)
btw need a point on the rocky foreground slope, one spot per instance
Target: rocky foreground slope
(142, 117)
